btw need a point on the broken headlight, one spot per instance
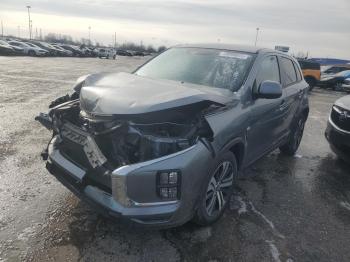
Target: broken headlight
(154, 141)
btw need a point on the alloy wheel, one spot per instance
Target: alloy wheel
(219, 188)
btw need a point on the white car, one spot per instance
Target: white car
(106, 52)
(29, 49)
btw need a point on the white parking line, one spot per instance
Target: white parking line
(274, 251)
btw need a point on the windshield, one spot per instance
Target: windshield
(30, 44)
(209, 67)
(3, 43)
(344, 73)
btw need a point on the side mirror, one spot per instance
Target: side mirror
(269, 90)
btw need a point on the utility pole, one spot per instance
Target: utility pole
(31, 29)
(256, 37)
(19, 31)
(2, 29)
(115, 40)
(29, 22)
(41, 36)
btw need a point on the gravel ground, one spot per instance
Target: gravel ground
(287, 209)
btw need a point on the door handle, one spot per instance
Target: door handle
(283, 105)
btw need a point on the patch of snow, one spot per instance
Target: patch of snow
(269, 222)
(243, 206)
(346, 205)
(274, 251)
(298, 156)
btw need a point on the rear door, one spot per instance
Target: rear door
(293, 88)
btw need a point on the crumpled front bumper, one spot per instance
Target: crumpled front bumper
(133, 194)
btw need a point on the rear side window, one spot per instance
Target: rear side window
(288, 71)
(269, 70)
(297, 70)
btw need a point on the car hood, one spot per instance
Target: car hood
(343, 102)
(124, 93)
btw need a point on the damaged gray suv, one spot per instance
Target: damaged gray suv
(165, 144)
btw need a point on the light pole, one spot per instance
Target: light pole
(89, 35)
(31, 28)
(29, 22)
(115, 40)
(257, 33)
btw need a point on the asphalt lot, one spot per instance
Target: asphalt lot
(287, 209)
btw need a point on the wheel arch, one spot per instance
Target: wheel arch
(305, 112)
(237, 147)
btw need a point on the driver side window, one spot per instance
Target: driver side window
(269, 70)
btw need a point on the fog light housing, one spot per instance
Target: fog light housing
(168, 184)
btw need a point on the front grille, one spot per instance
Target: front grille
(341, 118)
(99, 176)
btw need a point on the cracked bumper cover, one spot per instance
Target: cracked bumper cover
(139, 177)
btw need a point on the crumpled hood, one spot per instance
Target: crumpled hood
(124, 93)
(343, 102)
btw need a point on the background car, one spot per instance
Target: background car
(106, 53)
(138, 53)
(338, 128)
(335, 69)
(18, 50)
(311, 72)
(123, 53)
(28, 49)
(334, 81)
(88, 51)
(63, 51)
(74, 49)
(53, 51)
(5, 48)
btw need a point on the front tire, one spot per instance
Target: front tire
(292, 145)
(311, 81)
(338, 86)
(218, 190)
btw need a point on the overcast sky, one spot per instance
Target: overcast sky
(319, 27)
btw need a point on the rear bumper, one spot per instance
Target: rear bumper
(132, 195)
(339, 140)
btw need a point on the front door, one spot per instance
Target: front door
(266, 115)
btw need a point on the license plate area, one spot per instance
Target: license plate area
(86, 141)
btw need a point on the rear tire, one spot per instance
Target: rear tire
(31, 53)
(295, 137)
(217, 190)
